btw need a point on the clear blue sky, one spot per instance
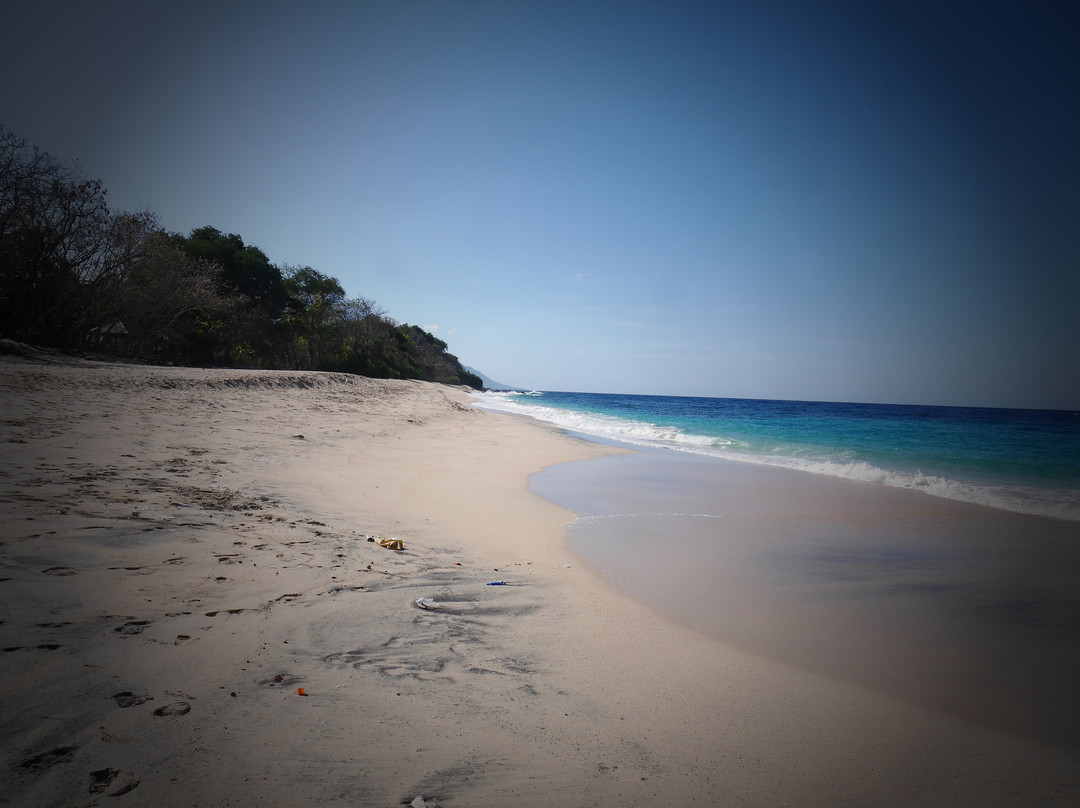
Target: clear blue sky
(838, 200)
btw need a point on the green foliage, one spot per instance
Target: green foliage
(245, 269)
(71, 270)
(469, 379)
(314, 302)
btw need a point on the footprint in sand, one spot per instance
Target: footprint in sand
(228, 611)
(58, 571)
(132, 627)
(128, 699)
(280, 680)
(112, 782)
(176, 708)
(43, 760)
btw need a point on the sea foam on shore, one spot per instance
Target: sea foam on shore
(1026, 461)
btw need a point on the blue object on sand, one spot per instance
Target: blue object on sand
(496, 583)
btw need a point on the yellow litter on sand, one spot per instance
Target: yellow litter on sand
(391, 544)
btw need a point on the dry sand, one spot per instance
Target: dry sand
(183, 549)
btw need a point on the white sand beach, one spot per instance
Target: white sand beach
(184, 551)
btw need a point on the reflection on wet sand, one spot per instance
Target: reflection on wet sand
(956, 607)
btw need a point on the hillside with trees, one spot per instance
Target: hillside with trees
(77, 276)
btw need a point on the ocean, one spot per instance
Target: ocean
(1027, 461)
(931, 553)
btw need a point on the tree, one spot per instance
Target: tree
(68, 264)
(315, 300)
(245, 269)
(164, 285)
(363, 335)
(61, 249)
(433, 362)
(253, 332)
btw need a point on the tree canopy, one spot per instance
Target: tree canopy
(71, 270)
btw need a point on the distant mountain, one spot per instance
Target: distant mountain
(490, 383)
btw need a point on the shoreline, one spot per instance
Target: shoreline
(954, 606)
(182, 536)
(1029, 493)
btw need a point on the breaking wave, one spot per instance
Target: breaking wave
(1063, 503)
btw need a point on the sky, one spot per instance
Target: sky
(844, 201)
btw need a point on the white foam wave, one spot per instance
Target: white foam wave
(598, 425)
(1062, 504)
(1058, 503)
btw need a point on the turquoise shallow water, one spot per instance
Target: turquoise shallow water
(932, 553)
(1026, 461)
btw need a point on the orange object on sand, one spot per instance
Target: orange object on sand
(300, 691)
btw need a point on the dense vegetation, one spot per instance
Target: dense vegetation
(77, 276)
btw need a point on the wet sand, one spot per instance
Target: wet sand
(182, 551)
(961, 608)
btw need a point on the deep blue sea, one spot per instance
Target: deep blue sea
(1026, 461)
